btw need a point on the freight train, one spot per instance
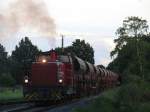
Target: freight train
(56, 77)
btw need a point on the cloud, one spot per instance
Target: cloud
(105, 61)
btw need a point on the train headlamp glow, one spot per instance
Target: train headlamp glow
(44, 60)
(26, 80)
(60, 80)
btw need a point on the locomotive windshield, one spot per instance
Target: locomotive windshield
(43, 58)
(47, 58)
(50, 56)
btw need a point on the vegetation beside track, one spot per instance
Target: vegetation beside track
(131, 97)
(10, 94)
(100, 104)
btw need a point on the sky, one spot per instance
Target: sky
(95, 21)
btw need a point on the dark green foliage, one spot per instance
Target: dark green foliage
(132, 97)
(18, 64)
(83, 50)
(22, 57)
(80, 49)
(25, 51)
(6, 80)
(104, 105)
(128, 95)
(132, 48)
(3, 60)
(101, 104)
(132, 29)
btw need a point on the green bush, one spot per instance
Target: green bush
(131, 97)
(128, 98)
(6, 79)
(102, 104)
(126, 79)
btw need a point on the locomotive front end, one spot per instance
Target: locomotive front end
(45, 81)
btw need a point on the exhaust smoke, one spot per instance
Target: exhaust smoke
(29, 14)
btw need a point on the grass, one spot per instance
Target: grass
(104, 103)
(110, 94)
(8, 94)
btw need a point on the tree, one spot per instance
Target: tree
(83, 50)
(6, 79)
(131, 47)
(3, 60)
(80, 49)
(22, 58)
(133, 28)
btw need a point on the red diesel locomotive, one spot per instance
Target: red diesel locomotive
(55, 77)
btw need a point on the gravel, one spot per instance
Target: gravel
(69, 108)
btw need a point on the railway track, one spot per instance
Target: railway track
(31, 107)
(27, 109)
(13, 102)
(14, 107)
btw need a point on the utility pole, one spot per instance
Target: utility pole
(62, 44)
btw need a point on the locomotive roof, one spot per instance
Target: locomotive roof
(91, 67)
(46, 52)
(79, 64)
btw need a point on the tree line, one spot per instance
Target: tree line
(132, 52)
(18, 64)
(131, 59)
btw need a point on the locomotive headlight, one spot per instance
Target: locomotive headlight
(26, 80)
(60, 80)
(44, 60)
